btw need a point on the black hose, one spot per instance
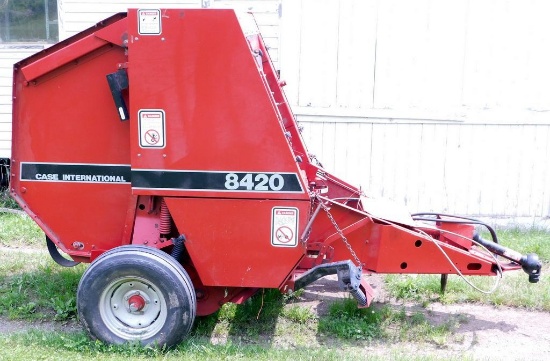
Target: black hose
(177, 251)
(416, 217)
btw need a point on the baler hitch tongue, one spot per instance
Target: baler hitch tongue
(530, 263)
(349, 279)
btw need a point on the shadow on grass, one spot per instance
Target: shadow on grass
(253, 321)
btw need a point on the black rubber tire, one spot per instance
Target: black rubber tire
(158, 275)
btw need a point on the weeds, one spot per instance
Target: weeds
(346, 321)
(298, 314)
(44, 291)
(6, 201)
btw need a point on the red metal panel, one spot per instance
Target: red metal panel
(391, 250)
(229, 240)
(218, 110)
(67, 119)
(55, 60)
(111, 30)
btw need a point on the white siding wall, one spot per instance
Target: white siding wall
(440, 105)
(9, 54)
(475, 169)
(267, 15)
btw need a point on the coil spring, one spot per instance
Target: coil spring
(359, 296)
(165, 219)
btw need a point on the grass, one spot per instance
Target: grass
(26, 293)
(26, 287)
(383, 322)
(37, 345)
(527, 241)
(6, 201)
(18, 230)
(514, 289)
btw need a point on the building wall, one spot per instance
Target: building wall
(10, 54)
(470, 169)
(440, 105)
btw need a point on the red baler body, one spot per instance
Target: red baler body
(211, 151)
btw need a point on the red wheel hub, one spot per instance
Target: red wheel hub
(136, 303)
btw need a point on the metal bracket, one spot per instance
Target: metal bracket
(57, 257)
(118, 81)
(349, 278)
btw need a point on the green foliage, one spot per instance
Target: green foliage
(384, 322)
(525, 241)
(27, 6)
(64, 308)
(60, 346)
(293, 295)
(19, 230)
(26, 19)
(514, 290)
(255, 316)
(6, 201)
(46, 292)
(346, 321)
(298, 314)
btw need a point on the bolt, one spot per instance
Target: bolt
(115, 306)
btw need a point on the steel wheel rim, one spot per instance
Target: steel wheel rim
(126, 322)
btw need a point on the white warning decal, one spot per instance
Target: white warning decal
(284, 227)
(152, 133)
(149, 22)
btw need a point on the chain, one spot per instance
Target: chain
(340, 233)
